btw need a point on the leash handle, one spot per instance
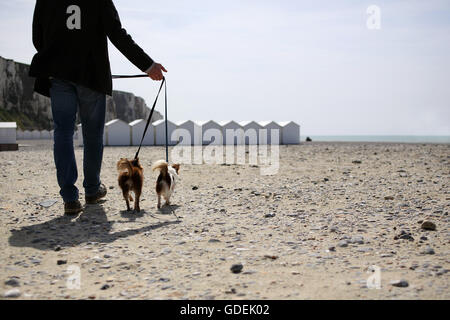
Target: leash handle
(120, 76)
(150, 117)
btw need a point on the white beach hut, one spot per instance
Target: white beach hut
(45, 134)
(19, 134)
(211, 132)
(235, 132)
(137, 130)
(290, 132)
(27, 135)
(35, 134)
(160, 132)
(194, 130)
(251, 131)
(8, 134)
(78, 136)
(117, 133)
(272, 128)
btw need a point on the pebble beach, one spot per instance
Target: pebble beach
(334, 216)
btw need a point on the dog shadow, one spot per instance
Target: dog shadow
(168, 209)
(66, 231)
(132, 215)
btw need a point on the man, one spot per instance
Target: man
(72, 67)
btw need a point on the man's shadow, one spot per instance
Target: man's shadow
(66, 231)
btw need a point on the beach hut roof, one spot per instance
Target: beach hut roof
(285, 123)
(203, 122)
(8, 125)
(265, 123)
(181, 122)
(158, 122)
(135, 122)
(244, 123)
(114, 121)
(226, 122)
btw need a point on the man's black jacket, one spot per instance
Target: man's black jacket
(71, 42)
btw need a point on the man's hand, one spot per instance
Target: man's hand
(155, 72)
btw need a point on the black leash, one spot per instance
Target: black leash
(163, 83)
(129, 76)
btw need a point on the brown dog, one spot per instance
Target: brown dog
(131, 178)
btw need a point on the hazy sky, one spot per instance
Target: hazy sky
(314, 62)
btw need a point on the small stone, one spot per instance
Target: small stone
(343, 243)
(194, 188)
(236, 268)
(105, 287)
(13, 293)
(428, 225)
(213, 240)
(428, 250)
(13, 282)
(357, 240)
(388, 198)
(404, 235)
(271, 257)
(357, 161)
(399, 283)
(58, 248)
(269, 215)
(332, 248)
(60, 262)
(48, 203)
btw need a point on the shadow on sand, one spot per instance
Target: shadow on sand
(66, 231)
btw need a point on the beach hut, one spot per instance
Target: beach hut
(35, 134)
(45, 134)
(160, 132)
(27, 135)
(8, 132)
(272, 128)
(211, 132)
(19, 134)
(193, 129)
(137, 130)
(235, 132)
(78, 136)
(290, 132)
(251, 131)
(117, 133)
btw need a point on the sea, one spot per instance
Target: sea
(381, 138)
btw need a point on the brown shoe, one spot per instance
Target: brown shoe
(73, 207)
(100, 194)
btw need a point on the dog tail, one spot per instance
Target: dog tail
(160, 165)
(125, 165)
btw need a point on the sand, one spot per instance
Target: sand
(312, 231)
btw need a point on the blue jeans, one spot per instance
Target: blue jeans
(66, 98)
